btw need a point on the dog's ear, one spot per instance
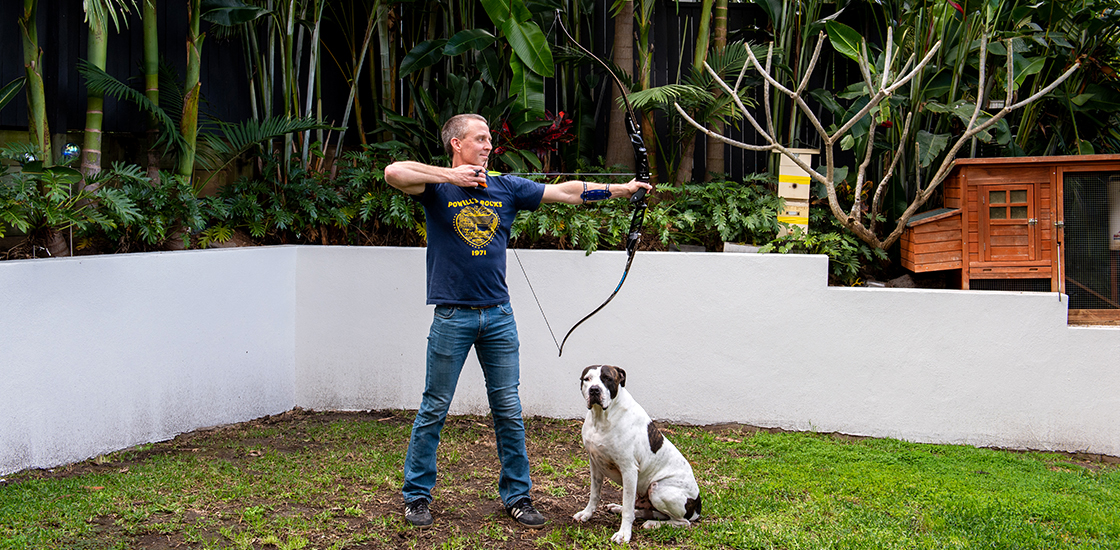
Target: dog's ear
(621, 377)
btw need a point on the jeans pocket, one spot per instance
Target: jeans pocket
(445, 312)
(506, 308)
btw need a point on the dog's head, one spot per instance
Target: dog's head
(600, 384)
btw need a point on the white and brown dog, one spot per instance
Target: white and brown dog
(626, 446)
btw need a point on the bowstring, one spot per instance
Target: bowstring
(526, 274)
(518, 257)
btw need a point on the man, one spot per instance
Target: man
(469, 214)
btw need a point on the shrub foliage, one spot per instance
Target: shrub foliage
(125, 211)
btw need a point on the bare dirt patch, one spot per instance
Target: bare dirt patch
(466, 501)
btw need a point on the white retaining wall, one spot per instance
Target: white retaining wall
(102, 353)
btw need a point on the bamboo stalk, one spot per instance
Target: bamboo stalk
(38, 132)
(151, 81)
(714, 160)
(188, 126)
(358, 64)
(312, 67)
(383, 12)
(95, 101)
(288, 81)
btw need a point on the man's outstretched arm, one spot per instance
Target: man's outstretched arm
(411, 176)
(579, 192)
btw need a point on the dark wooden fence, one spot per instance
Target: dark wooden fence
(63, 35)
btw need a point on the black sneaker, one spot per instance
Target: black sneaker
(417, 513)
(523, 512)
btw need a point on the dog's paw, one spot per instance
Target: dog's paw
(583, 515)
(614, 509)
(621, 537)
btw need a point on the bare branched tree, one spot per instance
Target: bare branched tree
(865, 224)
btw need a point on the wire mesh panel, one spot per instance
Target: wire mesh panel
(1015, 285)
(1092, 255)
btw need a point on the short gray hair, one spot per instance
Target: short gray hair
(455, 127)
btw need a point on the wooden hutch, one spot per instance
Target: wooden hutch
(1004, 227)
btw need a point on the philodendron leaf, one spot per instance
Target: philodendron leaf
(530, 45)
(844, 39)
(827, 101)
(64, 173)
(839, 174)
(930, 146)
(528, 86)
(466, 40)
(424, 55)
(773, 8)
(1025, 67)
(230, 12)
(963, 110)
(501, 11)
(11, 90)
(490, 67)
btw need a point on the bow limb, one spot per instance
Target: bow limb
(641, 169)
(629, 260)
(633, 129)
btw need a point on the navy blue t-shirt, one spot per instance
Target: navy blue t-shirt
(468, 232)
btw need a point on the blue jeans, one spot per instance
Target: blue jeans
(492, 332)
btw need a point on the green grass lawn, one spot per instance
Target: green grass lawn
(331, 480)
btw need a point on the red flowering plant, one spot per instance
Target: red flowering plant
(534, 148)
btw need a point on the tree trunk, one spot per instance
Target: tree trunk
(91, 145)
(37, 130)
(178, 238)
(715, 161)
(188, 127)
(645, 70)
(688, 162)
(688, 152)
(57, 243)
(151, 83)
(619, 152)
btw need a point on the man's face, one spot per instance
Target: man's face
(474, 147)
